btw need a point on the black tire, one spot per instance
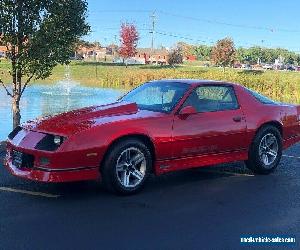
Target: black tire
(257, 156)
(113, 180)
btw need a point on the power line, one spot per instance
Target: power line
(193, 39)
(164, 33)
(270, 29)
(120, 11)
(216, 22)
(153, 17)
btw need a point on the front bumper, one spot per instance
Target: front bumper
(64, 175)
(62, 167)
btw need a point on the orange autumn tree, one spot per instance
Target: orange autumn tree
(129, 37)
(223, 53)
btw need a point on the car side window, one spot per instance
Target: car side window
(212, 98)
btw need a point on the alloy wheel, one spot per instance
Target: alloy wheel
(131, 167)
(268, 149)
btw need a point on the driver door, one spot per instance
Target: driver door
(218, 126)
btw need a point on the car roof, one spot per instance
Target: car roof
(194, 81)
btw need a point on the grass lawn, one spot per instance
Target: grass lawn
(279, 85)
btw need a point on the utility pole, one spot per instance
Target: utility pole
(153, 18)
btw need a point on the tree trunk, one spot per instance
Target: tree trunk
(16, 111)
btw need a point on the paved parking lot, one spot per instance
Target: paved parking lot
(197, 209)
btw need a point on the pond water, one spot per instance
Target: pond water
(40, 100)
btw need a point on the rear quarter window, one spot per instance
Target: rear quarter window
(261, 98)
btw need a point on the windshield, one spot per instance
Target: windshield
(157, 96)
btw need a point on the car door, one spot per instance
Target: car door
(218, 126)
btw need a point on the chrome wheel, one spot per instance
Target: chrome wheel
(268, 149)
(131, 167)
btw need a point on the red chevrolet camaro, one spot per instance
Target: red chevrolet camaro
(159, 127)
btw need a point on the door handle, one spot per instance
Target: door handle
(237, 118)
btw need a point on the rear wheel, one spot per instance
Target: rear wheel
(266, 151)
(126, 167)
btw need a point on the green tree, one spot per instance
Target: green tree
(203, 52)
(242, 55)
(297, 59)
(256, 55)
(223, 53)
(39, 34)
(265, 55)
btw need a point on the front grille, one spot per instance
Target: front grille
(22, 160)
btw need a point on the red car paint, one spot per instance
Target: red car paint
(178, 142)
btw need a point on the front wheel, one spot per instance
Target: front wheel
(126, 167)
(266, 151)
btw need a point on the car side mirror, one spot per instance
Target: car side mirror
(187, 111)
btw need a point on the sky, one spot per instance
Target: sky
(265, 23)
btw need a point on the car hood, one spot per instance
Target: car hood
(71, 122)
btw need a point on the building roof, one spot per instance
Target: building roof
(155, 51)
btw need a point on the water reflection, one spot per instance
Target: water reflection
(41, 100)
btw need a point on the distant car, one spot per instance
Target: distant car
(237, 65)
(268, 66)
(290, 68)
(159, 127)
(246, 66)
(77, 57)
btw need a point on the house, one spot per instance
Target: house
(92, 53)
(149, 56)
(190, 58)
(112, 50)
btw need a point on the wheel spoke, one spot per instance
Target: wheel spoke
(127, 155)
(262, 145)
(265, 142)
(272, 152)
(136, 173)
(137, 159)
(266, 159)
(270, 141)
(125, 179)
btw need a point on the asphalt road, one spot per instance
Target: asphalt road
(196, 209)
